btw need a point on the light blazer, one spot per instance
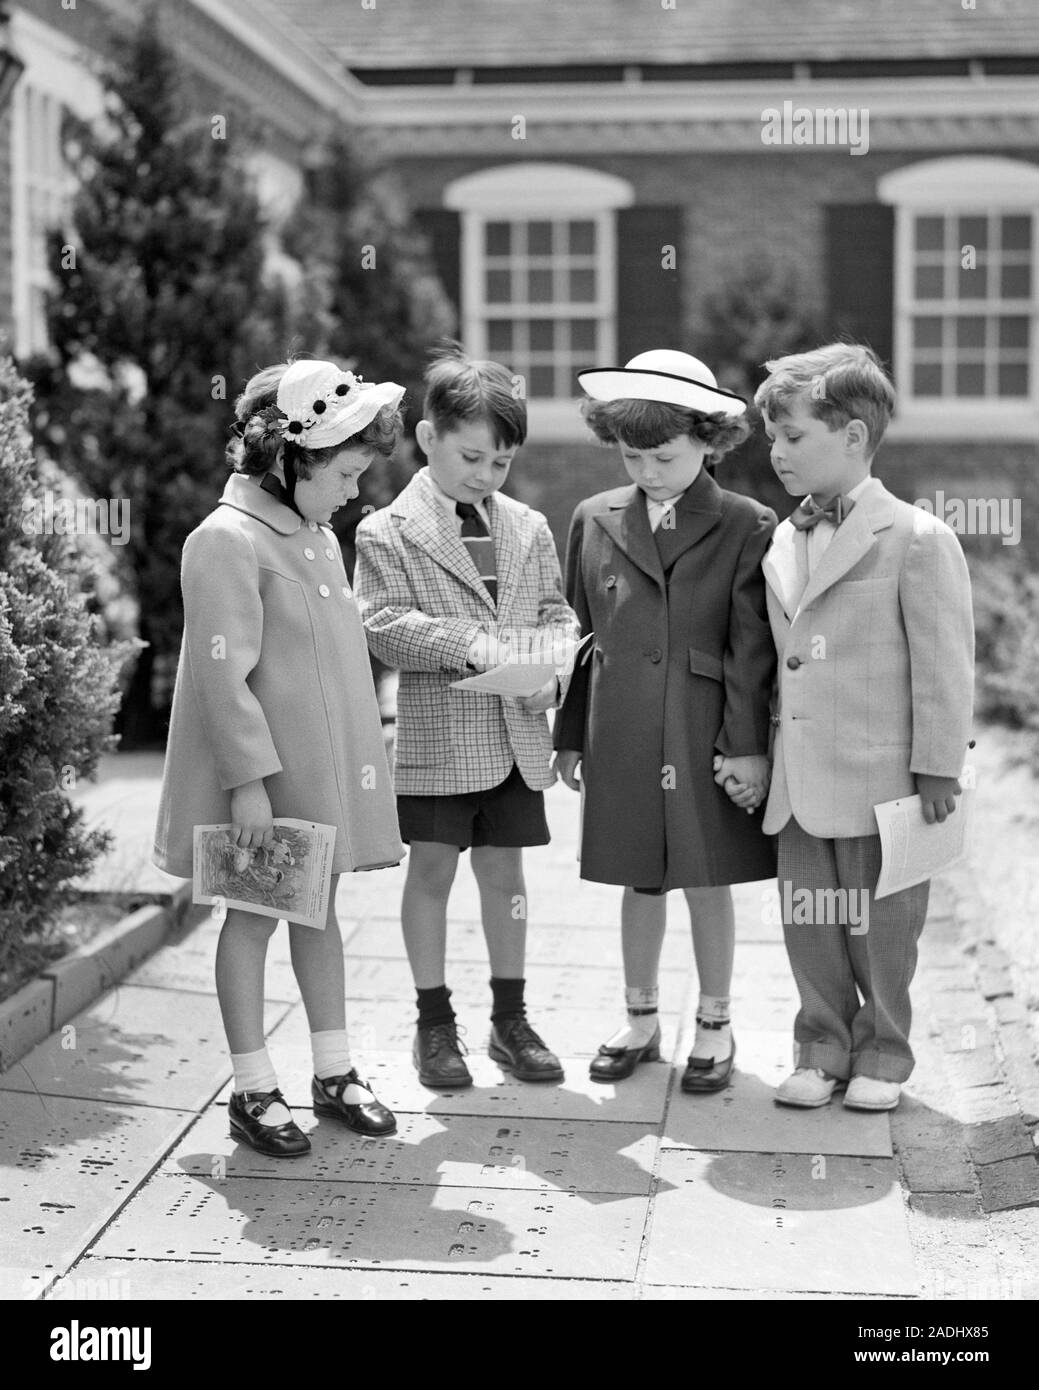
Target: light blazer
(422, 603)
(876, 666)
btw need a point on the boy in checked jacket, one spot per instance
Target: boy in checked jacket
(444, 575)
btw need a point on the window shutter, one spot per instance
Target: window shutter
(860, 274)
(649, 298)
(442, 227)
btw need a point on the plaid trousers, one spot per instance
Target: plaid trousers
(853, 976)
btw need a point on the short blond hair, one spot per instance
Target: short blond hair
(838, 382)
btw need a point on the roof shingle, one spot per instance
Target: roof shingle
(522, 33)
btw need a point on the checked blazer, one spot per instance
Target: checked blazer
(422, 604)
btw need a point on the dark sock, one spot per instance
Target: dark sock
(434, 1006)
(508, 1000)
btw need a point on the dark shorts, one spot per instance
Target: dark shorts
(508, 816)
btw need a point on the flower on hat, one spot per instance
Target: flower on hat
(324, 405)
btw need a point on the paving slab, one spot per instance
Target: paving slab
(146, 1046)
(638, 1100)
(176, 1280)
(65, 1165)
(271, 1221)
(745, 1117)
(743, 1220)
(1012, 1182)
(441, 1150)
(950, 1241)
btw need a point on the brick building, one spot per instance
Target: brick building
(590, 171)
(245, 60)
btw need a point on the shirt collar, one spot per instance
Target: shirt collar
(450, 503)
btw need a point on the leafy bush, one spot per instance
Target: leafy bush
(1006, 616)
(58, 695)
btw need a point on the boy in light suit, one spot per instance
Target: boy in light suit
(444, 575)
(870, 606)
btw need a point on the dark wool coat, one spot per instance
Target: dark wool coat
(681, 667)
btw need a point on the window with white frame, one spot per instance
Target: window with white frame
(539, 272)
(967, 285)
(48, 193)
(57, 77)
(972, 305)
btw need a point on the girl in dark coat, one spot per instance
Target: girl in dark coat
(667, 574)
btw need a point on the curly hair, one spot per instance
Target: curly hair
(648, 424)
(256, 438)
(838, 382)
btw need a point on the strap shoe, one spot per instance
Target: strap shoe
(617, 1063)
(334, 1100)
(244, 1112)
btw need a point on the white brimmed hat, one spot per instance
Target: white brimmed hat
(324, 405)
(674, 378)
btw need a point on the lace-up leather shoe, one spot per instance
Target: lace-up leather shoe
(517, 1048)
(437, 1055)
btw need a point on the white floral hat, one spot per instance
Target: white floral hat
(323, 405)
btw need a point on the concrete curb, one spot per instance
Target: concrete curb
(40, 1008)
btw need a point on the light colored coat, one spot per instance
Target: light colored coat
(876, 666)
(274, 682)
(423, 603)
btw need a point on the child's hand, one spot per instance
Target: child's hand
(485, 652)
(744, 780)
(565, 765)
(937, 796)
(544, 699)
(252, 823)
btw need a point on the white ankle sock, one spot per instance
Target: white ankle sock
(253, 1072)
(639, 1027)
(332, 1058)
(331, 1050)
(713, 1033)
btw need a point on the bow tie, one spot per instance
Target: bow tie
(808, 514)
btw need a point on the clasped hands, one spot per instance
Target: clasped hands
(744, 780)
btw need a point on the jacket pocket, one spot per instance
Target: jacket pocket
(703, 664)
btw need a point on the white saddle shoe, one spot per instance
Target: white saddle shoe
(867, 1093)
(807, 1087)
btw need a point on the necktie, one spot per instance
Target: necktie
(477, 540)
(808, 514)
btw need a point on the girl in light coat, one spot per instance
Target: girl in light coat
(275, 714)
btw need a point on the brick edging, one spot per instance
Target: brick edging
(43, 1005)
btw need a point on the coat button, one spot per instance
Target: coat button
(793, 662)
(611, 581)
(308, 552)
(329, 552)
(346, 591)
(324, 590)
(656, 655)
